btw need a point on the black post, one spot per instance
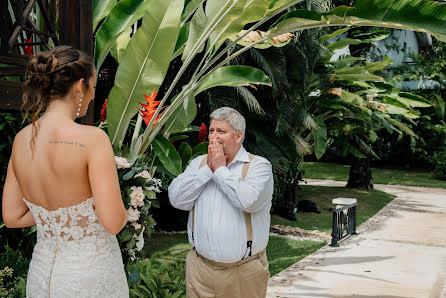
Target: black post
(334, 231)
(354, 220)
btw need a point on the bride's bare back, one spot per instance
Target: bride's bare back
(59, 163)
(55, 173)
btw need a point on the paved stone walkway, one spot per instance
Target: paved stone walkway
(399, 252)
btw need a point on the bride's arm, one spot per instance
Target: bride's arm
(104, 183)
(15, 213)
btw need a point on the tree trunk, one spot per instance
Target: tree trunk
(360, 175)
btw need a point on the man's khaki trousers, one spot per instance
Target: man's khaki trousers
(244, 279)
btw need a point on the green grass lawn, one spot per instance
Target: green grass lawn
(332, 171)
(369, 202)
(281, 252)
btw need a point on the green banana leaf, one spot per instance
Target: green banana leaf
(167, 154)
(276, 5)
(394, 106)
(320, 137)
(121, 17)
(217, 15)
(358, 39)
(118, 48)
(143, 65)
(182, 116)
(101, 8)
(418, 15)
(253, 11)
(200, 149)
(336, 33)
(355, 73)
(413, 100)
(181, 41)
(342, 43)
(401, 126)
(232, 76)
(185, 152)
(191, 7)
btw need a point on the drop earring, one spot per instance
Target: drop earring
(80, 104)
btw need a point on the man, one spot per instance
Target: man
(228, 193)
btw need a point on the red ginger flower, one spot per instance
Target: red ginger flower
(104, 111)
(150, 108)
(202, 135)
(28, 49)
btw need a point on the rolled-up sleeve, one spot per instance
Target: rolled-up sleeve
(186, 187)
(250, 194)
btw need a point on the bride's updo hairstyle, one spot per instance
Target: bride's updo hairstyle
(50, 75)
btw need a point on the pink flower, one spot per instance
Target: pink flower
(137, 196)
(132, 214)
(122, 162)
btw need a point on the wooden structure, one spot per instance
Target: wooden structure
(19, 36)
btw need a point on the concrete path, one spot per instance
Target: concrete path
(399, 252)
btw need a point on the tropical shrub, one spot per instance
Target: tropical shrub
(439, 161)
(154, 278)
(13, 272)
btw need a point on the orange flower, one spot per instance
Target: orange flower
(150, 108)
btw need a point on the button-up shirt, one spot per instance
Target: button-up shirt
(220, 198)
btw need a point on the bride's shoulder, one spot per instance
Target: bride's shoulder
(94, 135)
(24, 135)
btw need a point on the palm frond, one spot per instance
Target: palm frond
(303, 146)
(250, 100)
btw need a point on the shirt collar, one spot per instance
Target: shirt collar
(242, 155)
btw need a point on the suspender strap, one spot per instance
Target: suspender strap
(247, 215)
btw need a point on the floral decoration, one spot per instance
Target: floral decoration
(149, 109)
(203, 133)
(139, 190)
(104, 112)
(28, 49)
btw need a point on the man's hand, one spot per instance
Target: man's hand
(216, 155)
(209, 161)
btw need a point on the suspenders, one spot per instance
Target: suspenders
(247, 215)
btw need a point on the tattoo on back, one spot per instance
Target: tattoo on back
(73, 143)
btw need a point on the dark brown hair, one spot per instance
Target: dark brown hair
(51, 75)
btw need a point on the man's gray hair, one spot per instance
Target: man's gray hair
(235, 120)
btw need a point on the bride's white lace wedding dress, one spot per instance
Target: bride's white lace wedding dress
(74, 255)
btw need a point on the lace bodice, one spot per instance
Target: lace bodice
(74, 255)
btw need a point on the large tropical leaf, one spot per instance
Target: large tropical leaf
(167, 154)
(234, 75)
(182, 116)
(320, 137)
(185, 152)
(118, 49)
(181, 41)
(101, 9)
(217, 15)
(419, 15)
(253, 11)
(191, 7)
(143, 65)
(355, 73)
(413, 100)
(121, 17)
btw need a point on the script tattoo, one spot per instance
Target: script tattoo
(73, 143)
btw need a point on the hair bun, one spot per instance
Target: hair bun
(39, 71)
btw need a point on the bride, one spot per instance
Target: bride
(62, 177)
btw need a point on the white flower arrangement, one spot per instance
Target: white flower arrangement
(138, 196)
